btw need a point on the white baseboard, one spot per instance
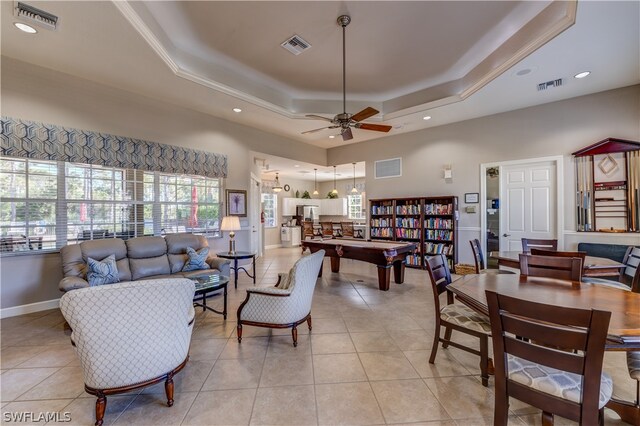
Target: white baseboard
(29, 308)
(273, 246)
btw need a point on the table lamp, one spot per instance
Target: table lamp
(231, 224)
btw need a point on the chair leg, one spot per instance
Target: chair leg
(434, 347)
(447, 336)
(601, 417)
(484, 360)
(294, 334)
(547, 419)
(168, 389)
(101, 405)
(501, 410)
(309, 322)
(239, 330)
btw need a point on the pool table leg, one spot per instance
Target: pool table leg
(335, 264)
(398, 272)
(384, 276)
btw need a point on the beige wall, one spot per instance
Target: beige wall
(38, 94)
(558, 128)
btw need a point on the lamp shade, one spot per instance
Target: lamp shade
(230, 223)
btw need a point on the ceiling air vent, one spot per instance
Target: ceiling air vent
(388, 168)
(295, 45)
(549, 84)
(35, 16)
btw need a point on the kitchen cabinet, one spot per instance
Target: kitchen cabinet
(333, 206)
(289, 205)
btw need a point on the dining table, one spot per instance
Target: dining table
(624, 326)
(592, 267)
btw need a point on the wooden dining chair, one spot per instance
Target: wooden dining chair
(307, 229)
(456, 317)
(327, 229)
(567, 382)
(478, 258)
(564, 268)
(528, 243)
(554, 253)
(346, 229)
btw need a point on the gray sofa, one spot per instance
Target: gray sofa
(137, 258)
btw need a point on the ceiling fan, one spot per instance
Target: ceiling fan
(346, 121)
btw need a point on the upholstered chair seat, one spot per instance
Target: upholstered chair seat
(465, 317)
(562, 384)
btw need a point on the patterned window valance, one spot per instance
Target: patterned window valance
(27, 139)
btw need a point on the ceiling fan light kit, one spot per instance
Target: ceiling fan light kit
(346, 121)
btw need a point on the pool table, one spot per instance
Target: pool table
(383, 254)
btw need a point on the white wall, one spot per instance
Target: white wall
(38, 94)
(558, 128)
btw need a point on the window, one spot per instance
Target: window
(355, 206)
(47, 204)
(270, 209)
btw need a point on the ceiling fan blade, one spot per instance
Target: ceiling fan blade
(364, 114)
(321, 128)
(318, 117)
(375, 127)
(347, 135)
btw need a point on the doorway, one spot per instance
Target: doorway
(529, 205)
(255, 235)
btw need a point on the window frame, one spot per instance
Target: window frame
(127, 191)
(274, 209)
(359, 216)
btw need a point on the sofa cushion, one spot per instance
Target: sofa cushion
(609, 251)
(197, 259)
(99, 249)
(103, 271)
(147, 256)
(177, 248)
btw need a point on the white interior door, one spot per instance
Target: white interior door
(528, 203)
(255, 236)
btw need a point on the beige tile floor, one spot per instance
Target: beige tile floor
(364, 363)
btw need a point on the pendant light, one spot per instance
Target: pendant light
(315, 182)
(277, 187)
(335, 189)
(354, 190)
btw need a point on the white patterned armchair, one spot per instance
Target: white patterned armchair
(130, 335)
(285, 305)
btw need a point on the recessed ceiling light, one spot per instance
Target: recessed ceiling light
(426, 117)
(24, 27)
(582, 74)
(296, 165)
(524, 71)
(332, 136)
(237, 110)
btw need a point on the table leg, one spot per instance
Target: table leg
(224, 309)
(335, 264)
(235, 272)
(398, 272)
(384, 276)
(204, 301)
(254, 269)
(627, 411)
(320, 271)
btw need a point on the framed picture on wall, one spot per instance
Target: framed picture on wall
(471, 198)
(236, 202)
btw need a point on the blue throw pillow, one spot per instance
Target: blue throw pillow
(197, 259)
(102, 272)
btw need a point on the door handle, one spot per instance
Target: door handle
(506, 235)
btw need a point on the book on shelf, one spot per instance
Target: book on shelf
(408, 233)
(380, 210)
(438, 223)
(438, 234)
(408, 209)
(407, 222)
(434, 248)
(436, 208)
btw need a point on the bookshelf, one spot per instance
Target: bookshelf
(432, 222)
